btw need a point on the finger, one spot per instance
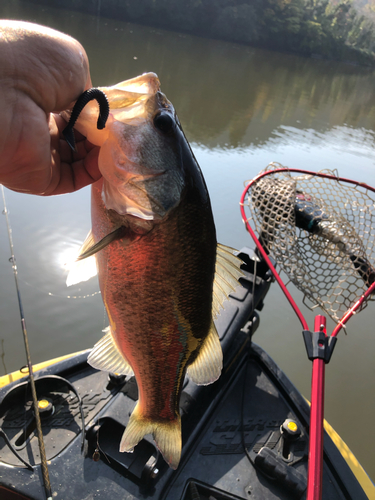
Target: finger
(61, 61)
(76, 175)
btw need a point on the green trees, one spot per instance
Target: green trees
(338, 29)
(329, 28)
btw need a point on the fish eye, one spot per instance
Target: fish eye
(163, 122)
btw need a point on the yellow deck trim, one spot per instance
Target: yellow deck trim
(12, 377)
(357, 469)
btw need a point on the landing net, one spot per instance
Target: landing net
(321, 232)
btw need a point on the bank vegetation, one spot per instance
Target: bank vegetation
(334, 29)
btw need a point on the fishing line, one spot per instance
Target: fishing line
(2, 356)
(75, 296)
(51, 294)
(42, 451)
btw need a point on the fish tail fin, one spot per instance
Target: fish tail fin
(167, 436)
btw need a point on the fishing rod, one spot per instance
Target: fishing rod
(42, 451)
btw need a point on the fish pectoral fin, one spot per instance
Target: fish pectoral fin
(206, 368)
(83, 270)
(92, 249)
(105, 356)
(227, 274)
(84, 267)
(167, 436)
(88, 243)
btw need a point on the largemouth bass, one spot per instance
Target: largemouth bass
(161, 274)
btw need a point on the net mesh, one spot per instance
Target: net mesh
(320, 232)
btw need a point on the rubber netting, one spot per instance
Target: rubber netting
(321, 233)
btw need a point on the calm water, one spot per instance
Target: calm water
(241, 108)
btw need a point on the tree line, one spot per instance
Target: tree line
(335, 29)
(326, 28)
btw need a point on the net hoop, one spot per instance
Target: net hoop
(274, 169)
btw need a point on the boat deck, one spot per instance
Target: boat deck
(234, 443)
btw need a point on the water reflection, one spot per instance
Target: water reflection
(226, 95)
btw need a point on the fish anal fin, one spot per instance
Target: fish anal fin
(106, 357)
(207, 366)
(167, 436)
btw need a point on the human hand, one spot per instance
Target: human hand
(42, 72)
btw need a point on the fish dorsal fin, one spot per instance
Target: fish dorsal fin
(227, 274)
(206, 368)
(83, 270)
(106, 357)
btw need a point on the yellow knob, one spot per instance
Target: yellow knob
(42, 404)
(292, 426)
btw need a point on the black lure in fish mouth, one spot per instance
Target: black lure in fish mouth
(83, 99)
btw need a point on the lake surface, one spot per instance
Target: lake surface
(241, 108)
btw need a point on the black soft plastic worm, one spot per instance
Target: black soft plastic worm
(83, 99)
